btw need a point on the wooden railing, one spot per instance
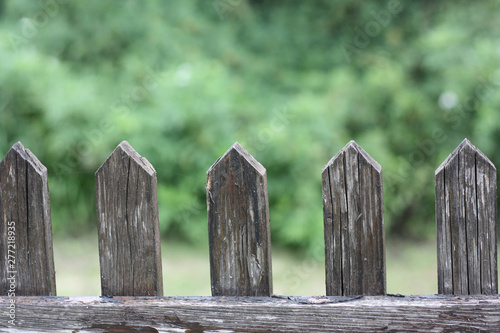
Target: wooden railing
(240, 252)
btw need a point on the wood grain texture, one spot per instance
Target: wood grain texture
(238, 226)
(353, 211)
(128, 225)
(256, 314)
(24, 200)
(445, 271)
(466, 201)
(487, 211)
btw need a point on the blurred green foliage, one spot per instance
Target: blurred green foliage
(292, 81)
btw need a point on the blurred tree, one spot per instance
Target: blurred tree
(292, 81)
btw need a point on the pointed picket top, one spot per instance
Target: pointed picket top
(352, 145)
(26, 225)
(238, 223)
(236, 148)
(128, 225)
(125, 148)
(353, 211)
(19, 150)
(466, 216)
(465, 145)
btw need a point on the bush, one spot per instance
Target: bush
(182, 81)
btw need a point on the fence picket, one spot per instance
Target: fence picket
(238, 222)
(128, 225)
(466, 214)
(354, 224)
(25, 226)
(240, 251)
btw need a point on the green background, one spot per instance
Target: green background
(292, 81)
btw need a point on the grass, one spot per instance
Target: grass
(411, 269)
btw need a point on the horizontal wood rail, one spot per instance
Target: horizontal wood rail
(257, 314)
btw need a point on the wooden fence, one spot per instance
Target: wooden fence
(240, 252)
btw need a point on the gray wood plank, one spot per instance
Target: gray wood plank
(354, 221)
(128, 225)
(468, 176)
(256, 314)
(444, 251)
(466, 222)
(353, 203)
(491, 223)
(25, 226)
(334, 209)
(456, 217)
(486, 175)
(238, 225)
(373, 254)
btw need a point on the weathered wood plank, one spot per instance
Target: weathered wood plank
(468, 176)
(354, 224)
(354, 221)
(373, 246)
(487, 231)
(455, 216)
(256, 314)
(466, 222)
(238, 225)
(25, 227)
(128, 225)
(444, 251)
(334, 209)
